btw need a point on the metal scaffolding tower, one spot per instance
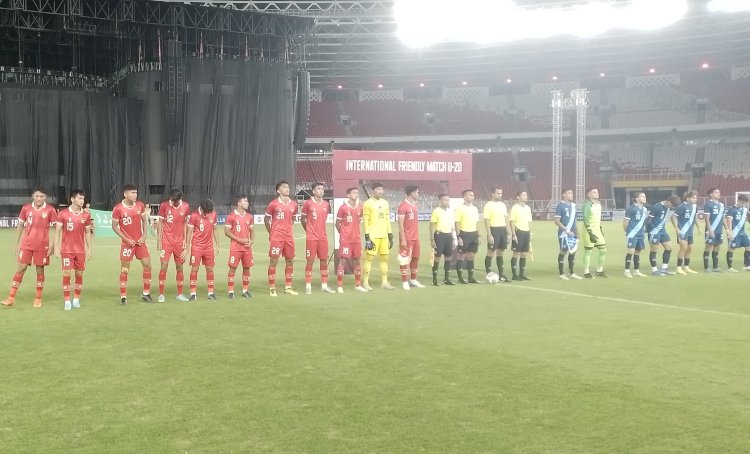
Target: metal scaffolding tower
(578, 101)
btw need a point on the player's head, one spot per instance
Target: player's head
(639, 197)
(207, 206)
(592, 193)
(522, 196)
(240, 201)
(742, 200)
(674, 201)
(445, 200)
(714, 193)
(318, 189)
(567, 195)
(412, 191)
(497, 193)
(130, 192)
(377, 190)
(353, 194)
(468, 195)
(39, 195)
(175, 195)
(690, 197)
(282, 188)
(77, 198)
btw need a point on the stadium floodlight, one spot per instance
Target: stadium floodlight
(602, 75)
(705, 66)
(728, 6)
(464, 83)
(422, 23)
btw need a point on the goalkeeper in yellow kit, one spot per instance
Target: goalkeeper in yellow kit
(378, 235)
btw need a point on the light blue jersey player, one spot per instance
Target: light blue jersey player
(658, 217)
(684, 220)
(713, 214)
(635, 231)
(567, 234)
(734, 223)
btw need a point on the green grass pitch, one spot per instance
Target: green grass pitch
(610, 365)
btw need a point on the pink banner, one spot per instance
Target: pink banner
(401, 165)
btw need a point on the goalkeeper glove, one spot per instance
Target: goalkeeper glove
(390, 241)
(369, 245)
(593, 237)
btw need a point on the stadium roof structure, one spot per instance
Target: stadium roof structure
(355, 45)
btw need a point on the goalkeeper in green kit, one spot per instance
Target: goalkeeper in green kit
(593, 237)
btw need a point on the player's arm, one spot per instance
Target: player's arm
(707, 219)
(229, 233)
(58, 238)
(728, 226)
(366, 218)
(19, 234)
(433, 230)
(145, 216)
(338, 224)
(625, 222)
(251, 239)
(303, 218)
(116, 227)
(189, 236)
(673, 220)
(486, 216)
(51, 241)
(267, 222)
(87, 240)
(401, 232)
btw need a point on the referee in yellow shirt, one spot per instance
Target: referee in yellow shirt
(498, 232)
(467, 218)
(378, 235)
(442, 238)
(520, 226)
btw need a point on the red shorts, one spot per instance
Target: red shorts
(316, 249)
(167, 251)
(350, 250)
(411, 249)
(36, 258)
(281, 249)
(73, 261)
(244, 257)
(205, 256)
(127, 253)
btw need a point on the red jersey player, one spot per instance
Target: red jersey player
(314, 217)
(170, 240)
(279, 221)
(73, 245)
(408, 233)
(348, 218)
(34, 244)
(203, 244)
(239, 228)
(130, 222)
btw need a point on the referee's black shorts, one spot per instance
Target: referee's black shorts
(523, 241)
(470, 242)
(500, 237)
(443, 244)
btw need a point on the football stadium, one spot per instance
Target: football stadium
(375, 226)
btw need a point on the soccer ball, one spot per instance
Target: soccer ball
(492, 278)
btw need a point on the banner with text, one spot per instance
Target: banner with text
(401, 165)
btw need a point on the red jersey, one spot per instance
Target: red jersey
(36, 223)
(203, 229)
(317, 215)
(74, 227)
(129, 219)
(282, 219)
(411, 220)
(350, 219)
(240, 225)
(174, 219)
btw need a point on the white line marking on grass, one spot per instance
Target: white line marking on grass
(642, 303)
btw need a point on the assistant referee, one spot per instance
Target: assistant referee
(520, 226)
(467, 218)
(442, 237)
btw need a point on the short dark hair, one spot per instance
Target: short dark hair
(711, 190)
(238, 198)
(353, 188)
(39, 189)
(411, 189)
(281, 183)
(566, 190)
(518, 194)
(175, 194)
(75, 193)
(674, 200)
(315, 185)
(207, 206)
(129, 187)
(637, 194)
(743, 198)
(497, 188)
(376, 185)
(465, 191)
(689, 194)
(443, 195)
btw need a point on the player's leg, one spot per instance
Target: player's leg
(310, 253)
(629, 253)
(688, 252)
(524, 246)
(639, 246)
(77, 288)
(15, 283)
(730, 258)
(747, 259)
(274, 252)
(193, 278)
(653, 245)
(67, 274)
(124, 273)
(356, 265)
(179, 267)
(666, 256)
(146, 264)
(718, 240)
(414, 265)
(601, 247)
(246, 280)
(681, 256)
(233, 262)
(210, 281)
(501, 244)
(164, 257)
(707, 250)
(288, 253)
(491, 248)
(561, 259)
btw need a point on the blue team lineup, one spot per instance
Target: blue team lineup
(454, 236)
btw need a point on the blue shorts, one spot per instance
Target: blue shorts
(740, 241)
(716, 240)
(568, 243)
(636, 243)
(688, 238)
(659, 238)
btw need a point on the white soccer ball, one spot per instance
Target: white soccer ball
(492, 278)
